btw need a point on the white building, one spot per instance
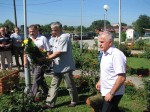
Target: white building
(129, 33)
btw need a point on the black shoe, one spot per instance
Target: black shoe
(72, 105)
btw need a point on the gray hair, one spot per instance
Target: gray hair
(107, 35)
(56, 24)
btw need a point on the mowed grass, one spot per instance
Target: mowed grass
(134, 103)
(134, 62)
(129, 103)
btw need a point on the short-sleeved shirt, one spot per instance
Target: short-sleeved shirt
(5, 40)
(42, 42)
(16, 37)
(64, 62)
(51, 43)
(113, 63)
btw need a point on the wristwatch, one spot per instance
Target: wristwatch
(111, 93)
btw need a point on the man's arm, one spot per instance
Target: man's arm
(25, 60)
(53, 55)
(120, 80)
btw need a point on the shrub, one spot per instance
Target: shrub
(146, 53)
(138, 45)
(124, 49)
(147, 89)
(131, 71)
(123, 36)
(87, 59)
(130, 88)
(87, 80)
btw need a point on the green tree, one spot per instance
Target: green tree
(65, 27)
(123, 36)
(84, 29)
(143, 22)
(1, 24)
(99, 23)
(46, 30)
(123, 24)
(9, 24)
(71, 28)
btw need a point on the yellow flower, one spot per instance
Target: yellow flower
(25, 41)
(22, 44)
(44, 51)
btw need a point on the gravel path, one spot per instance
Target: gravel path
(137, 81)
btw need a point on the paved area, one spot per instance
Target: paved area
(137, 81)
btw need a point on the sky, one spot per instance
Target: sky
(73, 12)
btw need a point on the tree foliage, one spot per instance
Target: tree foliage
(10, 25)
(84, 29)
(143, 22)
(99, 23)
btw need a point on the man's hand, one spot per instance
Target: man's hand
(2, 45)
(108, 97)
(98, 85)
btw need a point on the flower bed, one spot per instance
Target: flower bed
(8, 79)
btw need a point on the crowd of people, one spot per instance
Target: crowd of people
(59, 52)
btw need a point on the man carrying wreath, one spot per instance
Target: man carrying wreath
(40, 42)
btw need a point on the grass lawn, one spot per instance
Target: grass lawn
(129, 103)
(138, 62)
(135, 102)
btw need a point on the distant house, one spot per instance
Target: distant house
(129, 33)
(116, 28)
(147, 33)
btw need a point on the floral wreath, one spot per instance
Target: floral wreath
(34, 53)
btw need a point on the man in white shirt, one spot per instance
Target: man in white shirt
(42, 43)
(113, 73)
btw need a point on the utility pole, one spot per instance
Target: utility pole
(14, 1)
(119, 22)
(81, 42)
(27, 68)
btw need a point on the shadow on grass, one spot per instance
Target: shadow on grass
(82, 99)
(64, 92)
(122, 109)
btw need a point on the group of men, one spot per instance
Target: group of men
(59, 51)
(10, 44)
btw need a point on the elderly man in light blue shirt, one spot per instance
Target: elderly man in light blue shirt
(17, 40)
(63, 64)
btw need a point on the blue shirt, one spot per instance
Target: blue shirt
(65, 61)
(16, 37)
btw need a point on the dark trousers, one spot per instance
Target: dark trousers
(39, 80)
(18, 51)
(111, 106)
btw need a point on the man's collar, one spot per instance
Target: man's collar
(110, 50)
